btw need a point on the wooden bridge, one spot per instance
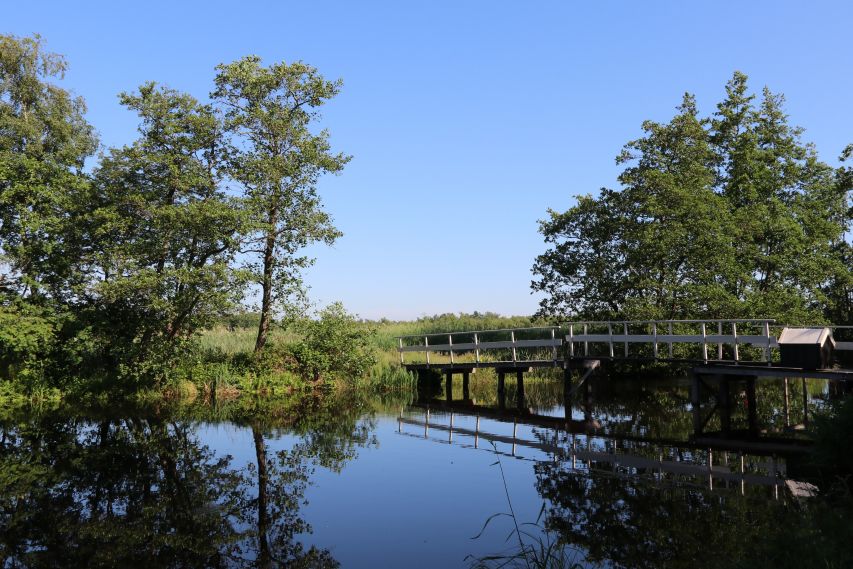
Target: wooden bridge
(700, 342)
(718, 352)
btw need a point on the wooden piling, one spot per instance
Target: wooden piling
(519, 392)
(751, 403)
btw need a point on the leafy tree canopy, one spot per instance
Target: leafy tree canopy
(727, 216)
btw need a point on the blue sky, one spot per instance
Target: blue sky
(466, 120)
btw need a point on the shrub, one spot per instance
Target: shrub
(333, 345)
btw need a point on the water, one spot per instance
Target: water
(368, 482)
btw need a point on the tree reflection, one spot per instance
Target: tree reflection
(146, 491)
(637, 520)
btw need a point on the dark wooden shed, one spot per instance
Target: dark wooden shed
(807, 348)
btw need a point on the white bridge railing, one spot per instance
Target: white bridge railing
(547, 337)
(711, 341)
(713, 334)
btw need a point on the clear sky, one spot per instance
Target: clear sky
(466, 119)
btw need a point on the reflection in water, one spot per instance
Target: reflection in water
(146, 491)
(626, 481)
(619, 479)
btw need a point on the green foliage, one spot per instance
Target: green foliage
(277, 159)
(26, 335)
(833, 442)
(113, 273)
(722, 217)
(164, 230)
(333, 345)
(44, 141)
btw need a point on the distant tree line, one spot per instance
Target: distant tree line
(118, 265)
(724, 216)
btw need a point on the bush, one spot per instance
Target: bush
(334, 345)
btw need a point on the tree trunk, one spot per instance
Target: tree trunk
(264, 558)
(266, 300)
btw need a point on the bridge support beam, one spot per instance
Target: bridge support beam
(501, 390)
(448, 386)
(465, 392)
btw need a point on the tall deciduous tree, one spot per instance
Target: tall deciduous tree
(164, 231)
(278, 159)
(44, 142)
(727, 216)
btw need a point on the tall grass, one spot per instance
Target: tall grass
(535, 546)
(233, 339)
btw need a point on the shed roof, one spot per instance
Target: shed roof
(811, 336)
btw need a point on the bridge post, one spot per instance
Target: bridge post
(723, 401)
(751, 404)
(696, 401)
(519, 392)
(448, 386)
(501, 390)
(465, 395)
(567, 392)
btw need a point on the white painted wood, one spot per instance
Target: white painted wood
(651, 335)
(655, 335)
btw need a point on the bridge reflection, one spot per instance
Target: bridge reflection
(578, 441)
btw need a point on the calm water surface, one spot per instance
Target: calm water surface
(401, 481)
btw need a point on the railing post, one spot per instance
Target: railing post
(571, 340)
(553, 346)
(767, 346)
(734, 333)
(477, 347)
(720, 344)
(655, 334)
(704, 344)
(625, 330)
(670, 339)
(450, 342)
(512, 337)
(585, 343)
(400, 340)
(610, 333)
(426, 345)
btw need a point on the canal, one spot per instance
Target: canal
(406, 480)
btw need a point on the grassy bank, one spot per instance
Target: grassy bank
(225, 353)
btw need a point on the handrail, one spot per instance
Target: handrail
(709, 320)
(611, 336)
(556, 327)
